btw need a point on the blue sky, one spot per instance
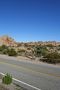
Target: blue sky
(30, 20)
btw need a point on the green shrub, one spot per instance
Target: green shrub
(12, 52)
(52, 58)
(7, 79)
(53, 55)
(40, 51)
(3, 47)
(5, 51)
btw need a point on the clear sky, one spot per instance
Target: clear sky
(30, 20)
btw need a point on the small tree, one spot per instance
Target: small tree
(7, 79)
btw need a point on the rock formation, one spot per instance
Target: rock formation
(8, 41)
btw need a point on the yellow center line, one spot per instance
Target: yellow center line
(30, 70)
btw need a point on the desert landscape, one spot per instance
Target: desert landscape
(48, 51)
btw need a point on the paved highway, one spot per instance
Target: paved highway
(41, 76)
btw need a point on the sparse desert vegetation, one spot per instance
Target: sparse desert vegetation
(7, 84)
(45, 51)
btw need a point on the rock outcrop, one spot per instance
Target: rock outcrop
(8, 41)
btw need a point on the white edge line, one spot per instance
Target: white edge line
(23, 82)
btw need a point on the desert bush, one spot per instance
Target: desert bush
(21, 52)
(7, 79)
(5, 51)
(40, 51)
(3, 48)
(12, 52)
(52, 61)
(53, 55)
(52, 58)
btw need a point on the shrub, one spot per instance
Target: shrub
(21, 52)
(5, 51)
(3, 47)
(40, 51)
(7, 79)
(52, 61)
(52, 58)
(12, 52)
(53, 55)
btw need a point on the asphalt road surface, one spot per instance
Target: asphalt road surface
(41, 76)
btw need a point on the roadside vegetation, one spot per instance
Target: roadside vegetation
(51, 58)
(11, 52)
(6, 83)
(7, 79)
(40, 51)
(7, 50)
(45, 53)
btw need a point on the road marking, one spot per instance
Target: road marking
(42, 72)
(22, 82)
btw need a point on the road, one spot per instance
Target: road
(42, 76)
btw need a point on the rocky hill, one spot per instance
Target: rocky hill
(8, 41)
